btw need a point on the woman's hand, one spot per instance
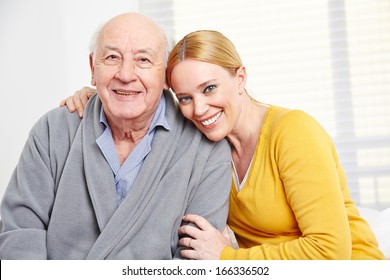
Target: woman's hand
(206, 241)
(78, 100)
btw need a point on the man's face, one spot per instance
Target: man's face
(128, 70)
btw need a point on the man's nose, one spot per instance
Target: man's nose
(126, 71)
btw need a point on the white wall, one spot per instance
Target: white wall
(43, 59)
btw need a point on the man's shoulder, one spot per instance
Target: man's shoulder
(219, 150)
(58, 121)
(62, 117)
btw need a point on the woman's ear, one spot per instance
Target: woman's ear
(93, 81)
(241, 76)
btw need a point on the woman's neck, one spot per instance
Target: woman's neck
(245, 134)
(247, 129)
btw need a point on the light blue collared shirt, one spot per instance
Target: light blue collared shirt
(125, 175)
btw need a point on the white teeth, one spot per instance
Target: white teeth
(212, 120)
(126, 93)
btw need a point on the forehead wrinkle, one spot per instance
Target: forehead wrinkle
(148, 51)
(111, 48)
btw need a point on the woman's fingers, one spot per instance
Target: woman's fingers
(201, 241)
(78, 100)
(189, 230)
(187, 242)
(63, 103)
(82, 96)
(91, 92)
(189, 251)
(189, 254)
(199, 221)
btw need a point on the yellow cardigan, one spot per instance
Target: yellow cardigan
(295, 203)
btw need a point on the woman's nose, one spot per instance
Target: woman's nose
(200, 106)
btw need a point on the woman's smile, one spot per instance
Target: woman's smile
(212, 120)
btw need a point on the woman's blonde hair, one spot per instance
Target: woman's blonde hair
(207, 46)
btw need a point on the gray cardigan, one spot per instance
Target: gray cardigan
(60, 202)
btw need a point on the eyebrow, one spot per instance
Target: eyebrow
(111, 48)
(202, 85)
(148, 51)
(199, 87)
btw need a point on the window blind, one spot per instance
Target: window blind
(330, 58)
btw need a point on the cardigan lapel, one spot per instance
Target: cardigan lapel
(99, 177)
(135, 208)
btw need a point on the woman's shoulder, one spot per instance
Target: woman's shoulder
(296, 123)
(280, 112)
(282, 116)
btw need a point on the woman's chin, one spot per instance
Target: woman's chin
(214, 136)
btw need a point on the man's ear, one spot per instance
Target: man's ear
(166, 85)
(93, 81)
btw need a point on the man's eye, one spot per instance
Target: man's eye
(143, 62)
(144, 59)
(112, 57)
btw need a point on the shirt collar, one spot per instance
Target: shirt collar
(159, 118)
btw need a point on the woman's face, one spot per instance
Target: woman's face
(208, 96)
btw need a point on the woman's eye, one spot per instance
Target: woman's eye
(184, 99)
(209, 88)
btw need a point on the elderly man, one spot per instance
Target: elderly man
(115, 184)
